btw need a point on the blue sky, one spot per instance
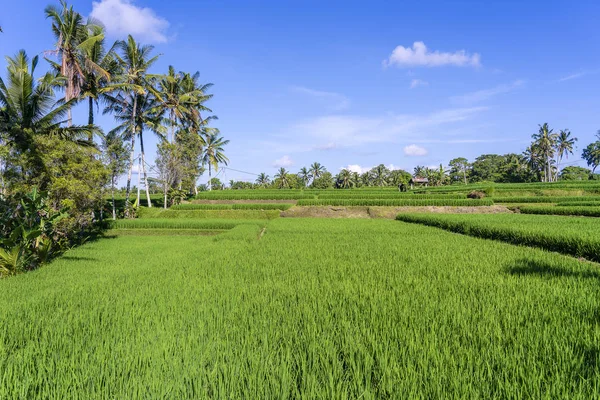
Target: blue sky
(358, 84)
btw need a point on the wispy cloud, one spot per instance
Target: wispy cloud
(344, 131)
(415, 151)
(420, 56)
(418, 82)
(579, 74)
(123, 17)
(284, 161)
(335, 101)
(481, 95)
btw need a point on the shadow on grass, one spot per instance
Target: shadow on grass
(540, 268)
(78, 258)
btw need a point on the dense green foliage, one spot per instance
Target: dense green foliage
(575, 236)
(313, 309)
(396, 202)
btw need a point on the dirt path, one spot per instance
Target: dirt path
(384, 212)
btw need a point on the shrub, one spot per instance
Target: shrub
(475, 194)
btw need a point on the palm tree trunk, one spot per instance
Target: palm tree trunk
(112, 189)
(128, 190)
(209, 178)
(144, 170)
(465, 175)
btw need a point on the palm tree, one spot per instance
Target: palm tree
(545, 141)
(564, 146)
(316, 170)
(135, 61)
(28, 109)
(282, 177)
(73, 42)
(420, 171)
(182, 99)
(304, 176)
(379, 175)
(344, 179)
(213, 153)
(356, 179)
(263, 179)
(591, 153)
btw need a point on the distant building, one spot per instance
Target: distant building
(418, 182)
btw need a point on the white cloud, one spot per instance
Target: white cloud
(579, 74)
(481, 95)
(122, 17)
(419, 55)
(362, 170)
(334, 100)
(284, 161)
(418, 82)
(414, 151)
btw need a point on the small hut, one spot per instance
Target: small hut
(419, 182)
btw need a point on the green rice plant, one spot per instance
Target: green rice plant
(567, 210)
(247, 232)
(579, 203)
(242, 206)
(397, 202)
(577, 237)
(314, 309)
(217, 214)
(175, 223)
(395, 195)
(544, 199)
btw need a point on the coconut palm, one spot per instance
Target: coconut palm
(28, 109)
(135, 84)
(281, 177)
(74, 40)
(564, 146)
(213, 153)
(420, 171)
(344, 179)
(379, 175)
(591, 154)
(356, 179)
(304, 176)
(545, 141)
(263, 179)
(316, 170)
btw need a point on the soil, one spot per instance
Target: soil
(384, 212)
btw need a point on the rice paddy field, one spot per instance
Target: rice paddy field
(230, 300)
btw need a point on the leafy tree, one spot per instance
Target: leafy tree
(281, 179)
(487, 167)
(398, 177)
(591, 154)
(169, 166)
(379, 175)
(459, 169)
(116, 154)
(324, 181)
(344, 179)
(574, 173)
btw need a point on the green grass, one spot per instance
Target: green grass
(215, 214)
(572, 210)
(253, 195)
(575, 236)
(314, 309)
(396, 202)
(579, 203)
(244, 206)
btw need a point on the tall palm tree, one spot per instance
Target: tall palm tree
(282, 177)
(419, 171)
(73, 42)
(28, 108)
(263, 179)
(564, 146)
(304, 176)
(545, 141)
(135, 84)
(213, 153)
(316, 170)
(356, 179)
